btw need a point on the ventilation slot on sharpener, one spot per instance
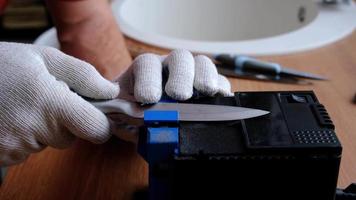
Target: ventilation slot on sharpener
(323, 116)
(315, 137)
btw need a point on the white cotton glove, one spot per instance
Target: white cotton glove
(37, 108)
(144, 79)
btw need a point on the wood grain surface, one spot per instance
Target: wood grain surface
(115, 171)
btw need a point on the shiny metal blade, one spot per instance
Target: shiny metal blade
(262, 77)
(296, 73)
(187, 111)
(206, 112)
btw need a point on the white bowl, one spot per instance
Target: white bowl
(254, 27)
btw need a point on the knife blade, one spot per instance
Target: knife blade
(187, 111)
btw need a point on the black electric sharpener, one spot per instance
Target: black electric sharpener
(291, 153)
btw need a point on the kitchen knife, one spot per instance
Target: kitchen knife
(230, 72)
(187, 111)
(244, 63)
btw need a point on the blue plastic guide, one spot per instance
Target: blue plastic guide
(161, 142)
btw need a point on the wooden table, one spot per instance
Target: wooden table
(115, 171)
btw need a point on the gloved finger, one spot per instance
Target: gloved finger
(147, 70)
(21, 135)
(79, 75)
(11, 157)
(181, 74)
(206, 76)
(80, 117)
(224, 86)
(58, 137)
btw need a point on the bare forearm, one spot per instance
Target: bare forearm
(67, 14)
(85, 22)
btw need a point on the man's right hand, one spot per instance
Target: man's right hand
(144, 79)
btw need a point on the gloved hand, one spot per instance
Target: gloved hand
(37, 108)
(143, 80)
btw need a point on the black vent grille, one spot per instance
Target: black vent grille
(323, 116)
(315, 137)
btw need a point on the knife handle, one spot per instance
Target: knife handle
(244, 63)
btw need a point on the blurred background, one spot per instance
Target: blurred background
(23, 20)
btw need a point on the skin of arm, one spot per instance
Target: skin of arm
(87, 30)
